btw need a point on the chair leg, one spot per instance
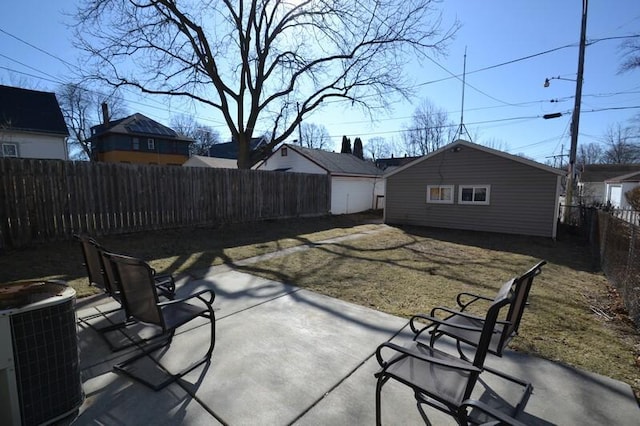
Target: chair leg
(382, 379)
(102, 331)
(425, 419)
(122, 367)
(213, 333)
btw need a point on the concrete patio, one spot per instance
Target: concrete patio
(285, 355)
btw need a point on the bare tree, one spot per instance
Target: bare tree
(204, 136)
(620, 147)
(377, 148)
(631, 52)
(261, 63)
(82, 109)
(430, 129)
(315, 136)
(591, 153)
(496, 143)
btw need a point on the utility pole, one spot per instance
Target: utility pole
(575, 120)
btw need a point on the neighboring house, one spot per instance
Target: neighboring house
(217, 163)
(230, 150)
(138, 139)
(615, 189)
(592, 189)
(31, 125)
(356, 185)
(471, 187)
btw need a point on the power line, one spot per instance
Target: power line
(468, 84)
(55, 80)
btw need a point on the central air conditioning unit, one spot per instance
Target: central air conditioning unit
(39, 364)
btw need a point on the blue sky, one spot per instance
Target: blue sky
(502, 104)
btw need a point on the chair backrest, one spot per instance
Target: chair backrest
(521, 288)
(139, 295)
(110, 275)
(93, 262)
(502, 299)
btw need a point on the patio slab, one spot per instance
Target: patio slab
(285, 355)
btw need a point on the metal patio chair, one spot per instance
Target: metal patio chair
(141, 301)
(437, 378)
(101, 276)
(466, 328)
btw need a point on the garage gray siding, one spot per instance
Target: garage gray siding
(522, 198)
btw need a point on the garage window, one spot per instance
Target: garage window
(474, 194)
(440, 194)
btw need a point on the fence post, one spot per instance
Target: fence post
(630, 257)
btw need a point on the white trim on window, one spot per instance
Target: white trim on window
(151, 144)
(10, 150)
(440, 194)
(474, 194)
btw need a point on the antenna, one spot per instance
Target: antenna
(462, 128)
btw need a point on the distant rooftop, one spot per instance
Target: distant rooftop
(385, 163)
(629, 177)
(137, 124)
(338, 163)
(603, 172)
(31, 110)
(231, 150)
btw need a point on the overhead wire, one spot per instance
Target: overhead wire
(53, 79)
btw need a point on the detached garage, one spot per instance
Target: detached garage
(356, 185)
(468, 186)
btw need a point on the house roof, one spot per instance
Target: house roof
(385, 163)
(337, 163)
(218, 163)
(463, 143)
(137, 124)
(231, 149)
(603, 172)
(31, 110)
(629, 177)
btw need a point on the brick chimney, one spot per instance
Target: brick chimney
(105, 113)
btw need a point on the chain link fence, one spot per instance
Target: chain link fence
(615, 247)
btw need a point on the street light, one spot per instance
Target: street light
(547, 81)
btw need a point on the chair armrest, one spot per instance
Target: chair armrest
(164, 279)
(453, 312)
(474, 298)
(436, 322)
(165, 283)
(501, 418)
(198, 295)
(458, 364)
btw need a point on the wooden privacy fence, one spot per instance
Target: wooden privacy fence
(49, 200)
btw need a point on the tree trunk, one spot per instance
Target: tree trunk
(244, 151)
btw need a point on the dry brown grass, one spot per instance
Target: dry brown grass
(176, 250)
(399, 271)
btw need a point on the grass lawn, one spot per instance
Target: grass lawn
(574, 316)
